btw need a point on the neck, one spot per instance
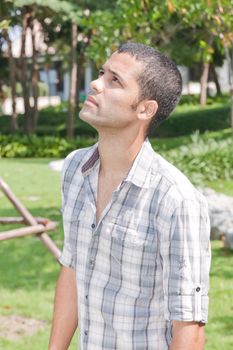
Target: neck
(117, 153)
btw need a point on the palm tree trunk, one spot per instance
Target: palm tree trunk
(73, 81)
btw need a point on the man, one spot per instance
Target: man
(136, 253)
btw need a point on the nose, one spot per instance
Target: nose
(97, 85)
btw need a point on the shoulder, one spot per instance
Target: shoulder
(177, 188)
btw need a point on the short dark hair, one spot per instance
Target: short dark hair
(160, 80)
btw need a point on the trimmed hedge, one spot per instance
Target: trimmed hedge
(185, 121)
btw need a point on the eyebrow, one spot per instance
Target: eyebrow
(114, 73)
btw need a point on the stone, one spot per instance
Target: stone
(221, 215)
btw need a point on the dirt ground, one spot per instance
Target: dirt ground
(14, 327)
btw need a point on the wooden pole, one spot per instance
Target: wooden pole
(29, 219)
(24, 231)
(17, 204)
(20, 220)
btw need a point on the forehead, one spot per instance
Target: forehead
(125, 65)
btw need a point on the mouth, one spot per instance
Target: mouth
(91, 100)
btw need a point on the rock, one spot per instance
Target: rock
(228, 239)
(221, 215)
(56, 165)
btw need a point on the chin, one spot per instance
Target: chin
(83, 115)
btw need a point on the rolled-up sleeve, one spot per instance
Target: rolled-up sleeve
(68, 256)
(186, 256)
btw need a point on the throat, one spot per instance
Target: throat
(106, 187)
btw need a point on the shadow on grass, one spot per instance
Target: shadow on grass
(25, 262)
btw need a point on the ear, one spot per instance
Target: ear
(147, 109)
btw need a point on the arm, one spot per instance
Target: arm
(65, 317)
(187, 336)
(185, 254)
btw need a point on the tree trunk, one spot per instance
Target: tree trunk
(73, 81)
(216, 81)
(229, 57)
(79, 78)
(35, 79)
(203, 82)
(24, 76)
(12, 73)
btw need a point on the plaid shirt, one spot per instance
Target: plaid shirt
(145, 263)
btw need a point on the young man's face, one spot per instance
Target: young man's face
(114, 94)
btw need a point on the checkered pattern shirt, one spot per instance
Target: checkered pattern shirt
(147, 260)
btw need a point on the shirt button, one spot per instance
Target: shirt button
(86, 296)
(93, 226)
(198, 289)
(86, 332)
(92, 261)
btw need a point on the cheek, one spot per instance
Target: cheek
(119, 101)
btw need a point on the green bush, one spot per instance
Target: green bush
(51, 122)
(23, 147)
(203, 159)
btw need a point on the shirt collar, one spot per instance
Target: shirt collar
(139, 173)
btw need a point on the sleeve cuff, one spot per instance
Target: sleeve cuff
(187, 307)
(66, 259)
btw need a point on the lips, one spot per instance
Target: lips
(92, 100)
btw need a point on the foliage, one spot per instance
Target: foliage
(23, 147)
(52, 122)
(189, 118)
(204, 160)
(42, 90)
(194, 26)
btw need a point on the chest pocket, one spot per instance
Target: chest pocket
(135, 252)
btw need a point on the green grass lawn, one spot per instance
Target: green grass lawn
(28, 271)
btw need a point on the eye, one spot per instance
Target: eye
(101, 72)
(115, 79)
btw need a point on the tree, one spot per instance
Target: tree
(7, 19)
(196, 27)
(213, 22)
(73, 81)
